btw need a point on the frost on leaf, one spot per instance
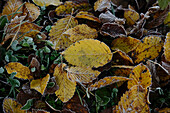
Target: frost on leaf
(134, 100)
(40, 84)
(23, 72)
(66, 86)
(141, 76)
(81, 32)
(88, 53)
(82, 75)
(47, 2)
(167, 47)
(101, 5)
(149, 48)
(56, 33)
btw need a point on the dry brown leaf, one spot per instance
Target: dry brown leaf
(125, 44)
(164, 110)
(149, 48)
(141, 76)
(56, 33)
(47, 2)
(11, 7)
(101, 5)
(66, 87)
(23, 72)
(32, 11)
(113, 30)
(69, 6)
(80, 32)
(88, 53)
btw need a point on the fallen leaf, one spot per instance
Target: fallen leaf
(131, 16)
(87, 15)
(82, 75)
(106, 81)
(56, 33)
(149, 48)
(88, 53)
(113, 30)
(167, 20)
(69, 6)
(17, 19)
(164, 110)
(23, 72)
(134, 100)
(12, 106)
(66, 87)
(80, 32)
(32, 11)
(125, 44)
(40, 84)
(101, 5)
(11, 7)
(141, 76)
(47, 2)
(167, 47)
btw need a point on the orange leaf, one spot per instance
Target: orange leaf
(23, 72)
(141, 76)
(40, 84)
(106, 81)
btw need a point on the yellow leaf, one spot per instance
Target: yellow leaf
(82, 75)
(167, 47)
(87, 15)
(47, 2)
(101, 5)
(125, 44)
(141, 76)
(131, 16)
(32, 11)
(164, 110)
(167, 20)
(133, 101)
(56, 33)
(107, 81)
(40, 84)
(12, 106)
(149, 48)
(23, 72)
(81, 32)
(69, 6)
(66, 87)
(88, 53)
(11, 7)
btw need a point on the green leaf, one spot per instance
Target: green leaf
(1, 70)
(33, 69)
(28, 105)
(42, 67)
(163, 4)
(50, 84)
(46, 49)
(14, 46)
(3, 21)
(48, 28)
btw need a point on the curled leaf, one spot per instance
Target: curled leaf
(23, 72)
(88, 53)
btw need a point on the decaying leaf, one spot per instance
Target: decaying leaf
(23, 72)
(11, 7)
(83, 75)
(164, 110)
(81, 32)
(125, 44)
(66, 87)
(134, 100)
(69, 6)
(12, 106)
(17, 19)
(87, 15)
(101, 5)
(113, 30)
(167, 47)
(88, 53)
(47, 2)
(40, 84)
(56, 33)
(141, 76)
(107, 81)
(32, 11)
(149, 48)
(131, 16)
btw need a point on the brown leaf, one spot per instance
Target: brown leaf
(113, 30)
